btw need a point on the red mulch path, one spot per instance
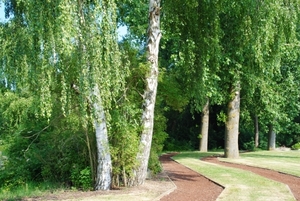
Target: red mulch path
(191, 186)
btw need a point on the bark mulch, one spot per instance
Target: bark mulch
(192, 186)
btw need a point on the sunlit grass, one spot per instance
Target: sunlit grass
(282, 161)
(239, 184)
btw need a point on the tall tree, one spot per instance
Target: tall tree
(252, 44)
(193, 40)
(149, 96)
(71, 46)
(231, 149)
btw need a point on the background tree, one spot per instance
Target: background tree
(193, 34)
(251, 46)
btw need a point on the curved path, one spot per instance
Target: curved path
(191, 185)
(194, 187)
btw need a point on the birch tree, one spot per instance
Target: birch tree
(149, 96)
(73, 45)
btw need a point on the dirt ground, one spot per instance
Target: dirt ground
(176, 183)
(153, 189)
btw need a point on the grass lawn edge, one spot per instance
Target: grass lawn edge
(233, 190)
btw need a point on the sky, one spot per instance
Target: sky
(2, 16)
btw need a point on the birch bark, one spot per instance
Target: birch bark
(104, 166)
(154, 35)
(103, 176)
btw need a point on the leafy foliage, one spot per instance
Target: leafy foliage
(38, 150)
(159, 137)
(57, 57)
(296, 146)
(124, 144)
(193, 47)
(81, 178)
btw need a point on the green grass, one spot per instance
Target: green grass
(27, 190)
(282, 161)
(239, 184)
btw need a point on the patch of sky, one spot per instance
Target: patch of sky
(122, 31)
(2, 14)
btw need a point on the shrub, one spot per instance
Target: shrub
(250, 146)
(81, 178)
(296, 146)
(85, 178)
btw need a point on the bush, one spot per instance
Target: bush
(249, 146)
(176, 145)
(296, 146)
(159, 137)
(81, 178)
(154, 165)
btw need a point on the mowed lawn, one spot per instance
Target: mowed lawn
(244, 185)
(282, 161)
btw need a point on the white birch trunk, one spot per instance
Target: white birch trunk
(103, 175)
(204, 128)
(104, 166)
(154, 35)
(232, 127)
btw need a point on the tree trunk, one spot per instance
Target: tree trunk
(91, 159)
(104, 165)
(232, 126)
(154, 35)
(256, 139)
(103, 176)
(204, 128)
(271, 138)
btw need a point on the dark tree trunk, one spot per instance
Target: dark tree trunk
(256, 138)
(204, 128)
(232, 126)
(271, 138)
